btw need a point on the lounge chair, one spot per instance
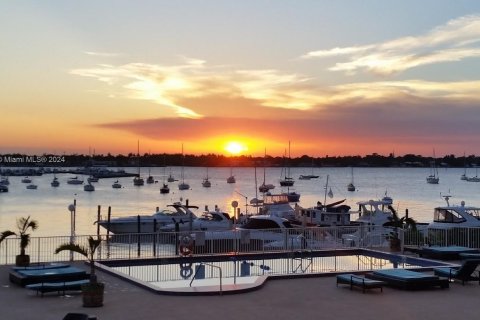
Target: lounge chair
(407, 279)
(358, 281)
(60, 287)
(445, 253)
(24, 277)
(79, 316)
(466, 272)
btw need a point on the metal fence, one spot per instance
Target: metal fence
(170, 244)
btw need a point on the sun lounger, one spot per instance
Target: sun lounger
(445, 253)
(42, 266)
(79, 316)
(59, 287)
(24, 277)
(406, 279)
(358, 281)
(466, 272)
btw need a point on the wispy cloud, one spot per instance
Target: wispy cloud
(102, 54)
(456, 40)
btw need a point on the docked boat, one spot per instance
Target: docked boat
(88, 187)
(74, 180)
(116, 185)
(208, 221)
(276, 205)
(455, 216)
(146, 223)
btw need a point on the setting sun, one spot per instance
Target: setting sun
(235, 147)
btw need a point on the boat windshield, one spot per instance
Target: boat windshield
(474, 213)
(447, 216)
(265, 224)
(167, 212)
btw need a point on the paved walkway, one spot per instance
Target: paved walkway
(312, 298)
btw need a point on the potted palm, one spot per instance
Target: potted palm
(404, 223)
(23, 226)
(92, 292)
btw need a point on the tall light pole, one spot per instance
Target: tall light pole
(72, 208)
(246, 202)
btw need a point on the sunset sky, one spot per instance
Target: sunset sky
(332, 77)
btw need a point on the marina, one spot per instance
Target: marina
(49, 204)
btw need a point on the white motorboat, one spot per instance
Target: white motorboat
(455, 216)
(74, 180)
(209, 221)
(146, 223)
(276, 205)
(116, 185)
(32, 187)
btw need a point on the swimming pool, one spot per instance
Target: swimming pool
(247, 268)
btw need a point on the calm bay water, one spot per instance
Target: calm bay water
(49, 205)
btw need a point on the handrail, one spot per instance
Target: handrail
(212, 266)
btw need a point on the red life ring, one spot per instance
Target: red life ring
(186, 245)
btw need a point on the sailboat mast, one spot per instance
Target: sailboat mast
(326, 187)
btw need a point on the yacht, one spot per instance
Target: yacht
(265, 187)
(183, 185)
(150, 179)
(131, 224)
(171, 178)
(208, 221)
(455, 216)
(333, 214)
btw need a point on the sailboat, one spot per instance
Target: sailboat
(264, 187)
(351, 186)
(150, 179)
(182, 185)
(287, 181)
(464, 175)
(165, 189)
(308, 176)
(116, 185)
(433, 177)
(231, 179)
(55, 182)
(474, 179)
(138, 181)
(206, 183)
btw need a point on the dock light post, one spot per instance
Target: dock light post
(72, 208)
(246, 202)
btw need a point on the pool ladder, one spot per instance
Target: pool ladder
(213, 267)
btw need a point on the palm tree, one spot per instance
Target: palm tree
(88, 252)
(396, 223)
(23, 226)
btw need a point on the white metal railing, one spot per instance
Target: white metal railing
(167, 244)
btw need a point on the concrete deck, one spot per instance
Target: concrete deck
(308, 298)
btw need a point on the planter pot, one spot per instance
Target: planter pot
(92, 294)
(22, 260)
(395, 244)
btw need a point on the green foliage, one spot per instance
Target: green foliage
(23, 226)
(86, 251)
(396, 223)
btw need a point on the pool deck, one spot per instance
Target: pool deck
(307, 298)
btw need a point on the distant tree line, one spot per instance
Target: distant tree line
(214, 160)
